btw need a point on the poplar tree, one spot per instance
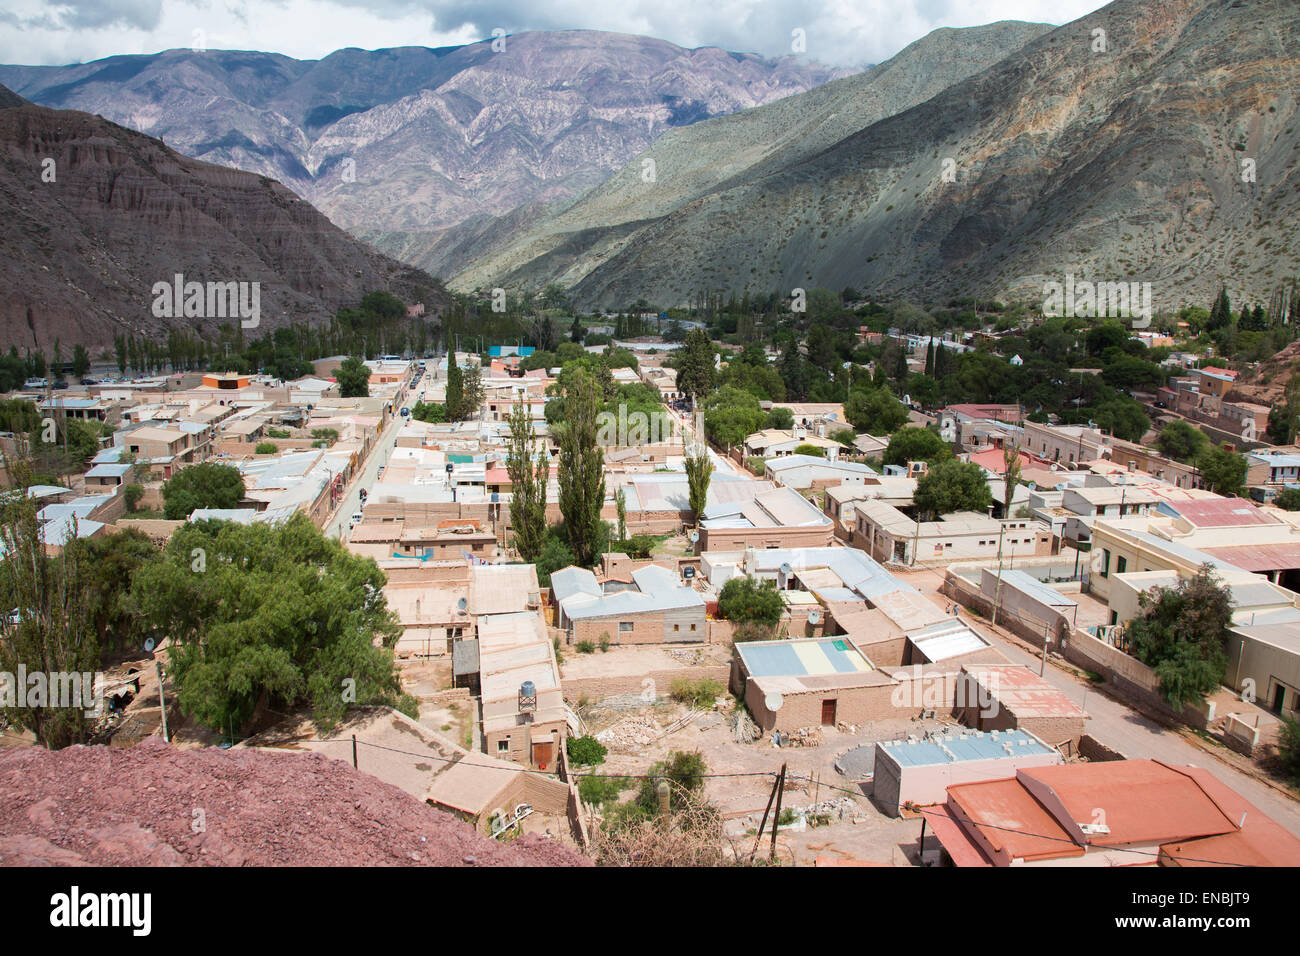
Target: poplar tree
(529, 470)
(581, 468)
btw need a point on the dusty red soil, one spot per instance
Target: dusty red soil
(135, 806)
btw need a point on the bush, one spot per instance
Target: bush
(585, 647)
(329, 434)
(132, 494)
(206, 485)
(277, 432)
(266, 448)
(744, 599)
(698, 693)
(600, 791)
(604, 643)
(586, 751)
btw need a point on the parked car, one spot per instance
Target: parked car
(406, 411)
(90, 381)
(60, 384)
(356, 518)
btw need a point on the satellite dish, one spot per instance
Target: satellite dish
(773, 702)
(461, 604)
(695, 536)
(148, 645)
(785, 568)
(813, 617)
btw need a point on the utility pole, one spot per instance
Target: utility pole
(776, 820)
(1042, 665)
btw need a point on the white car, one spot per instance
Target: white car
(356, 519)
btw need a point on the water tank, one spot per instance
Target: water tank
(527, 689)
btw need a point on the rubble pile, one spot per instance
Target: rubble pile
(630, 733)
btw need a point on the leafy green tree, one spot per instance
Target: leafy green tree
(529, 470)
(620, 506)
(471, 398)
(743, 599)
(731, 416)
(699, 469)
(80, 361)
(1182, 634)
(585, 751)
(914, 443)
(950, 486)
(115, 559)
(780, 418)
(814, 451)
(582, 468)
(1181, 441)
(1223, 471)
(132, 494)
(875, 411)
(47, 626)
(1221, 313)
(556, 555)
(353, 376)
(275, 615)
(1288, 500)
(695, 367)
(576, 331)
(455, 393)
(205, 485)
(1122, 417)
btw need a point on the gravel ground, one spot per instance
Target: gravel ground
(155, 805)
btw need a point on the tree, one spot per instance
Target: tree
(875, 411)
(950, 486)
(916, 444)
(1181, 634)
(743, 599)
(1288, 500)
(205, 485)
(695, 368)
(1223, 471)
(46, 628)
(455, 393)
(1010, 476)
(620, 505)
(699, 469)
(581, 467)
(132, 494)
(529, 472)
(115, 559)
(1181, 441)
(780, 418)
(80, 361)
(814, 451)
(794, 371)
(278, 616)
(353, 375)
(1221, 313)
(471, 398)
(544, 334)
(576, 331)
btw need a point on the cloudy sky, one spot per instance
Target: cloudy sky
(839, 32)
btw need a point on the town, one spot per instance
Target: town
(851, 599)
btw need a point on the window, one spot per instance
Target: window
(1105, 562)
(624, 627)
(1121, 565)
(503, 745)
(676, 627)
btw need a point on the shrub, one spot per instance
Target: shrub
(585, 647)
(601, 790)
(604, 643)
(277, 432)
(586, 751)
(744, 599)
(132, 494)
(329, 434)
(698, 693)
(265, 448)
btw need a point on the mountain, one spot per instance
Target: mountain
(1122, 163)
(566, 240)
(413, 140)
(95, 214)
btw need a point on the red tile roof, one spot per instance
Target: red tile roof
(1223, 513)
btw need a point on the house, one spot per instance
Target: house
(774, 519)
(1008, 697)
(1108, 813)
(805, 472)
(656, 609)
(920, 771)
(772, 442)
(889, 535)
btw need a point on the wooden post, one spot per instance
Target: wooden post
(776, 820)
(354, 751)
(162, 701)
(766, 810)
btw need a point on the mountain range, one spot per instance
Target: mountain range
(96, 214)
(1152, 142)
(417, 139)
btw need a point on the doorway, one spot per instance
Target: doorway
(828, 713)
(542, 753)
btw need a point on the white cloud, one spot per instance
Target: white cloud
(840, 32)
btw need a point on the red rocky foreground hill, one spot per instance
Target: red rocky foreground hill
(142, 806)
